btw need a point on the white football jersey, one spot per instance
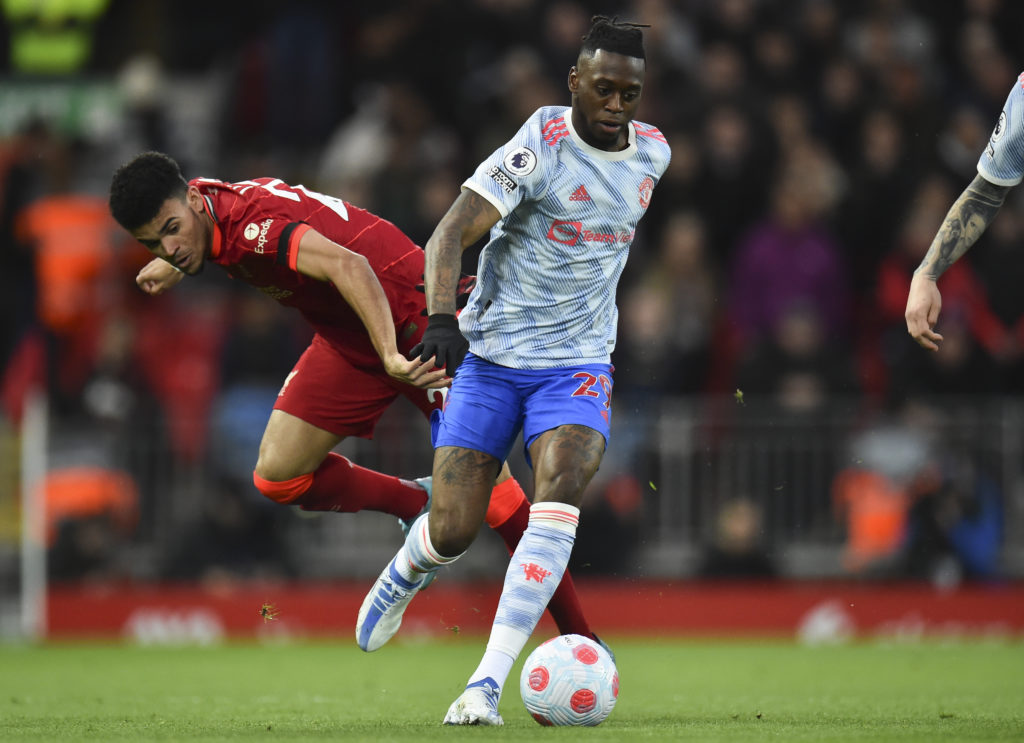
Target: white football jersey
(1002, 162)
(546, 280)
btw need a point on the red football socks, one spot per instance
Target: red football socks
(340, 485)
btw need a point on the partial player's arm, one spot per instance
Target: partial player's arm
(325, 260)
(468, 219)
(965, 222)
(158, 276)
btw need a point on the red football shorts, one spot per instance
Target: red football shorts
(327, 391)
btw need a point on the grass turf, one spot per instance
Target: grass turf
(671, 690)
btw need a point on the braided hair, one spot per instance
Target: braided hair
(614, 36)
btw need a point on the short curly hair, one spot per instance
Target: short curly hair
(140, 187)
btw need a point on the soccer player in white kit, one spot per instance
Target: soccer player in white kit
(561, 200)
(1000, 168)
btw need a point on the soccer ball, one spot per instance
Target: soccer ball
(569, 680)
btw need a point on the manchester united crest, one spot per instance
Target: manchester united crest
(646, 188)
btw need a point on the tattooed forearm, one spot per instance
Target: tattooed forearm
(468, 219)
(443, 268)
(965, 222)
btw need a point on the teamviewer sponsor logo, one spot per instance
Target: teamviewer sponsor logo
(570, 233)
(567, 233)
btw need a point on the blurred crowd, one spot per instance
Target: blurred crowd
(817, 145)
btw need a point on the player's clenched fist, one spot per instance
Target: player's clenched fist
(158, 276)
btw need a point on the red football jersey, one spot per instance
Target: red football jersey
(257, 228)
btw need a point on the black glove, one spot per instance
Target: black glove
(442, 339)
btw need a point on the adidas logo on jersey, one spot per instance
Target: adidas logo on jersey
(580, 194)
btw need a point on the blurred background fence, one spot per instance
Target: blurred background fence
(699, 487)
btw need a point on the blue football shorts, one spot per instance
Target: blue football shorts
(489, 404)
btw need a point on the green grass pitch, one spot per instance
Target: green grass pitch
(671, 690)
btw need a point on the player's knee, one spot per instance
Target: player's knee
(564, 485)
(451, 532)
(282, 491)
(274, 465)
(450, 544)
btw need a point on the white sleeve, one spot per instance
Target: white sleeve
(517, 171)
(1002, 162)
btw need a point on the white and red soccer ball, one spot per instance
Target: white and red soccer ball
(569, 680)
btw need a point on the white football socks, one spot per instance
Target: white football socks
(418, 556)
(533, 574)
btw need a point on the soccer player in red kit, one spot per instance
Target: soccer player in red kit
(354, 277)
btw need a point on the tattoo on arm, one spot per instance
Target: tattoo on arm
(965, 222)
(468, 219)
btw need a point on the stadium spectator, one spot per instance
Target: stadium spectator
(955, 525)
(790, 257)
(667, 316)
(540, 328)
(22, 180)
(737, 163)
(228, 539)
(250, 379)
(362, 301)
(90, 510)
(737, 551)
(615, 511)
(876, 201)
(999, 264)
(871, 496)
(839, 99)
(797, 368)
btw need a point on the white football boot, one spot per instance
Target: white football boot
(380, 616)
(477, 705)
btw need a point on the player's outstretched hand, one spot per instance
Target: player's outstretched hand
(158, 276)
(924, 302)
(418, 373)
(443, 342)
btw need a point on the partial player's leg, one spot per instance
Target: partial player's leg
(323, 400)
(564, 461)
(472, 438)
(508, 514)
(461, 484)
(566, 426)
(297, 467)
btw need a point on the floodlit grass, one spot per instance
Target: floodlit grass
(671, 690)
